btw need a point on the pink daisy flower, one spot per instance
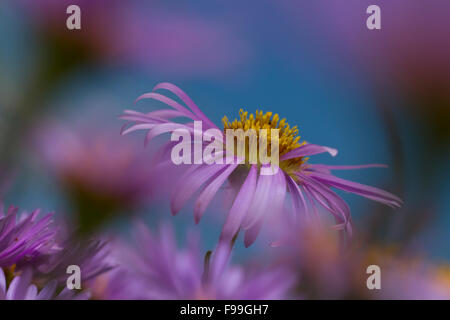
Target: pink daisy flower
(259, 195)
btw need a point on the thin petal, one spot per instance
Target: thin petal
(360, 189)
(260, 201)
(169, 102)
(206, 196)
(186, 99)
(308, 150)
(240, 206)
(190, 182)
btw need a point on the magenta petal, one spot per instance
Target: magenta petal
(360, 189)
(299, 206)
(190, 182)
(48, 291)
(210, 191)
(272, 203)
(19, 286)
(240, 206)
(252, 233)
(141, 126)
(187, 100)
(169, 102)
(308, 150)
(260, 201)
(164, 128)
(327, 169)
(330, 201)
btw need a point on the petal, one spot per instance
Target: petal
(240, 206)
(48, 291)
(308, 149)
(298, 200)
(252, 233)
(31, 293)
(330, 201)
(260, 201)
(186, 99)
(2, 283)
(360, 189)
(169, 102)
(19, 286)
(190, 182)
(141, 126)
(206, 196)
(326, 169)
(164, 128)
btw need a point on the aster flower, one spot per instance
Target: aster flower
(24, 237)
(90, 255)
(257, 195)
(156, 269)
(22, 288)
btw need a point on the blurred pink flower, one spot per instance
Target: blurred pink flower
(410, 52)
(154, 35)
(101, 173)
(154, 268)
(326, 270)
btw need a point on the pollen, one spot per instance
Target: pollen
(288, 136)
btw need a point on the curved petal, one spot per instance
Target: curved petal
(308, 149)
(190, 182)
(260, 201)
(326, 168)
(298, 200)
(164, 128)
(360, 189)
(252, 233)
(31, 293)
(48, 291)
(206, 196)
(19, 285)
(186, 99)
(169, 102)
(240, 206)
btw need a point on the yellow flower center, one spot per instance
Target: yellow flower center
(288, 138)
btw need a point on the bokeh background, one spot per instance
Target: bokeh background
(380, 96)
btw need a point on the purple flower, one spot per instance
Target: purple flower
(157, 269)
(155, 35)
(326, 270)
(90, 255)
(258, 196)
(22, 288)
(24, 237)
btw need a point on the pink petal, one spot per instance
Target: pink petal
(240, 206)
(360, 189)
(190, 182)
(206, 196)
(308, 150)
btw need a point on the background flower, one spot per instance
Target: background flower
(154, 268)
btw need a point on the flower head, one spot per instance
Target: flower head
(258, 195)
(24, 237)
(156, 269)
